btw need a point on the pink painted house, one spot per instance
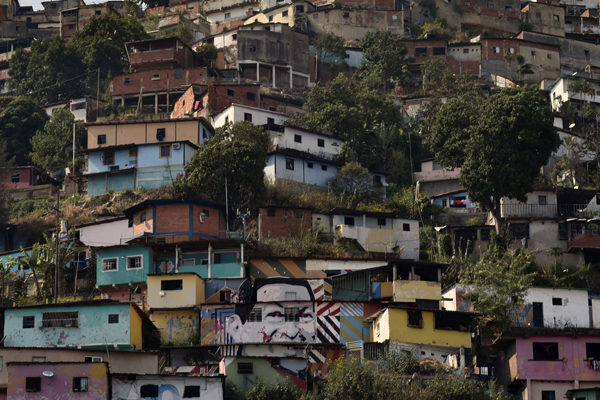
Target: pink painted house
(58, 380)
(543, 363)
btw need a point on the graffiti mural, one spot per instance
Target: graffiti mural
(283, 310)
(150, 387)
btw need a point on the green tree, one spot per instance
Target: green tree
(500, 143)
(7, 163)
(384, 57)
(52, 147)
(50, 71)
(500, 281)
(18, 123)
(237, 153)
(354, 111)
(101, 43)
(276, 391)
(353, 184)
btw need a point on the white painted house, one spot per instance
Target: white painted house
(565, 89)
(239, 112)
(556, 308)
(105, 232)
(374, 231)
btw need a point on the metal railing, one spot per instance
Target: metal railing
(517, 210)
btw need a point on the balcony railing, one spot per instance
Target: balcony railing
(521, 210)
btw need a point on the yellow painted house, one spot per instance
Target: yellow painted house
(422, 327)
(174, 303)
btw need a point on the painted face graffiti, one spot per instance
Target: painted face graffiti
(284, 313)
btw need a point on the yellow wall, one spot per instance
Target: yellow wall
(135, 328)
(394, 326)
(192, 293)
(176, 326)
(409, 291)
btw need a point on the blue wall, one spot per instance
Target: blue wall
(122, 274)
(93, 327)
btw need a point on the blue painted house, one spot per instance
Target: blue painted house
(92, 325)
(125, 155)
(454, 200)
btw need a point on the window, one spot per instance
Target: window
(248, 117)
(270, 18)
(128, 80)
(284, 14)
(178, 74)
(270, 212)
(227, 16)
(586, 53)
(507, 8)
(255, 315)
(421, 52)
(545, 351)
(33, 384)
(309, 164)
(381, 221)
(323, 167)
(465, 51)
(15, 178)
(299, 9)
(321, 142)
(511, 50)
(149, 391)
(28, 322)
(377, 180)
(134, 262)
(415, 319)
(556, 19)
(108, 157)
(133, 153)
(142, 217)
(533, 53)
(289, 164)
(92, 359)
(98, 12)
(490, 5)
(349, 221)
(592, 351)
(216, 258)
(299, 214)
(109, 264)
(557, 301)
(156, 77)
(191, 391)
(496, 50)
(406, 227)
(101, 139)
(548, 395)
(230, 92)
(250, 96)
(63, 319)
(252, 48)
(173, 284)
(549, 56)
(245, 368)
(542, 200)
(439, 51)
(563, 231)
(298, 138)
(519, 231)
(113, 318)
(165, 151)
(80, 384)
(270, 121)
(160, 134)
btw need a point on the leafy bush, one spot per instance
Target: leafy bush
(285, 390)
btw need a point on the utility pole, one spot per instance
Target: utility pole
(243, 217)
(57, 245)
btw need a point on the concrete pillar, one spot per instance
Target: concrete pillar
(291, 79)
(273, 85)
(209, 261)
(257, 72)
(156, 103)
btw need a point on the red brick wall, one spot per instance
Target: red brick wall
(458, 67)
(218, 99)
(285, 222)
(411, 45)
(184, 104)
(25, 178)
(192, 75)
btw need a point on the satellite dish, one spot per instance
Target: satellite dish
(48, 374)
(166, 266)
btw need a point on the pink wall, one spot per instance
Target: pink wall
(61, 384)
(571, 353)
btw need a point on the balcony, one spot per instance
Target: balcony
(410, 291)
(521, 210)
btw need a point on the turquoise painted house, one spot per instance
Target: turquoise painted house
(99, 324)
(123, 265)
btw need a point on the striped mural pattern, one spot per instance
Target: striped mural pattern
(284, 267)
(328, 327)
(352, 310)
(321, 288)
